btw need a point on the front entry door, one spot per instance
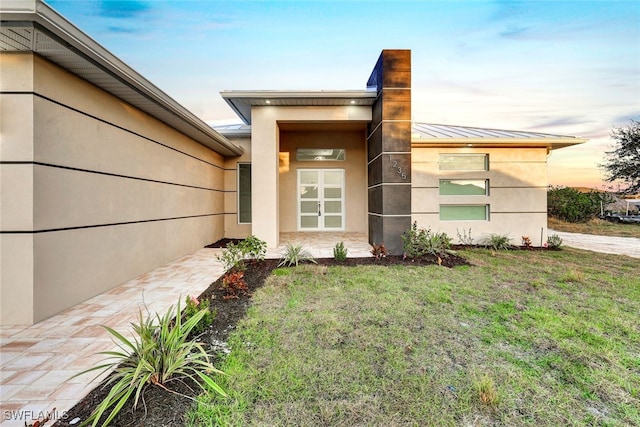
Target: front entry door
(320, 199)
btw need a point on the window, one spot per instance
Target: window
(244, 193)
(464, 162)
(320, 154)
(461, 187)
(464, 212)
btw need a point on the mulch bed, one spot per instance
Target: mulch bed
(160, 408)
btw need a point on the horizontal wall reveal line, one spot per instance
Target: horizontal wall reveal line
(389, 215)
(115, 125)
(82, 227)
(388, 183)
(108, 174)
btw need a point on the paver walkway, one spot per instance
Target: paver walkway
(38, 361)
(629, 246)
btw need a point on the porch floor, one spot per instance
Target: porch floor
(38, 361)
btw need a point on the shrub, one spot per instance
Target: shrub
(465, 238)
(418, 242)
(193, 306)
(554, 241)
(571, 205)
(340, 252)
(379, 251)
(498, 242)
(233, 256)
(294, 255)
(159, 353)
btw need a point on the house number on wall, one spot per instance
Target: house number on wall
(398, 169)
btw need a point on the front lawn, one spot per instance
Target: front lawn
(539, 338)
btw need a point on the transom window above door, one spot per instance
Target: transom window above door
(320, 154)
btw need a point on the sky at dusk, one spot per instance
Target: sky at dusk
(560, 67)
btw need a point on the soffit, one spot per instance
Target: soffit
(242, 101)
(38, 28)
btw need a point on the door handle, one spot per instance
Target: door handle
(319, 212)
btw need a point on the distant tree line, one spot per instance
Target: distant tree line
(571, 205)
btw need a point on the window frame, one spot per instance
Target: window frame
(238, 195)
(486, 206)
(484, 155)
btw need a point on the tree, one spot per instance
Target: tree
(571, 205)
(623, 163)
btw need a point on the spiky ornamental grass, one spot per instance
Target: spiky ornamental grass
(159, 353)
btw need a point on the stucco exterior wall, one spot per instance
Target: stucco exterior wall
(517, 193)
(265, 141)
(94, 191)
(355, 167)
(232, 228)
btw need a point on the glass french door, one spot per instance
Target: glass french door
(320, 199)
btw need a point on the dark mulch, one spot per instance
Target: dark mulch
(161, 408)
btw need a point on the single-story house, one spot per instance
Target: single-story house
(103, 176)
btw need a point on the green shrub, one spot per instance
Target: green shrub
(498, 242)
(340, 252)
(554, 241)
(294, 255)
(234, 255)
(193, 306)
(571, 205)
(418, 242)
(159, 353)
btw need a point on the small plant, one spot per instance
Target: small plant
(465, 238)
(418, 242)
(379, 251)
(340, 252)
(554, 242)
(526, 242)
(159, 353)
(294, 255)
(253, 248)
(486, 390)
(234, 285)
(572, 276)
(193, 306)
(498, 242)
(234, 255)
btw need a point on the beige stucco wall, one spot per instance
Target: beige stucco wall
(355, 167)
(232, 229)
(105, 192)
(517, 193)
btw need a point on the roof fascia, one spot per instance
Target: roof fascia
(47, 19)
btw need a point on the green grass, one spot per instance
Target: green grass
(527, 338)
(596, 226)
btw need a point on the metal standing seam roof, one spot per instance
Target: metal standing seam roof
(33, 26)
(438, 133)
(447, 134)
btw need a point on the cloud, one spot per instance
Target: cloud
(513, 32)
(123, 9)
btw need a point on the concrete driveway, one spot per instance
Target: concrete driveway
(629, 246)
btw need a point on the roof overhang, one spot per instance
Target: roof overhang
(242, 101)
(33, 26)
(437, 135)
